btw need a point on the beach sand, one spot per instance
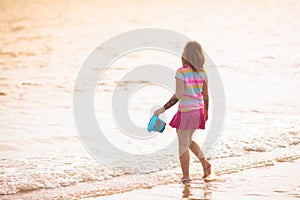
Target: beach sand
(280, 181)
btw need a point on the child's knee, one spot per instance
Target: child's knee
(184, 145)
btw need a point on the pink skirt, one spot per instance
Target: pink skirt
(194, 119)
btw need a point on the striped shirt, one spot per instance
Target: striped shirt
(193, 85)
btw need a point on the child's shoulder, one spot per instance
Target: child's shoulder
(183, 69)
(180, 70)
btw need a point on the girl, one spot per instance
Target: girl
(192, 94)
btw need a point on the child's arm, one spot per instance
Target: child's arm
(178, 95)
(174, 99)
(171, 102)
(206, 98)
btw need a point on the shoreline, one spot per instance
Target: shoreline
(270, 182)
(233, 185)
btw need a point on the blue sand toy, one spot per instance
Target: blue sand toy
(156, 124)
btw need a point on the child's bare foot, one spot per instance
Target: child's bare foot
(206, 169)
(185, 180)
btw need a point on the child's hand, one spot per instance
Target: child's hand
(206, 114)
(159, 111)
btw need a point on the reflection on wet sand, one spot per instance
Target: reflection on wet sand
(198, 191)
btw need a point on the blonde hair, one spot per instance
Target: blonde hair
(193, 56)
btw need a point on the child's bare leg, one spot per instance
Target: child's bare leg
(185, 162)
(195, 148)
(184, 156)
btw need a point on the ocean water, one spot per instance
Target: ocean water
(254, 44)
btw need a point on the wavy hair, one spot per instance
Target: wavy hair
(193, 56)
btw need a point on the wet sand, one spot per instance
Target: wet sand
(280, 181)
